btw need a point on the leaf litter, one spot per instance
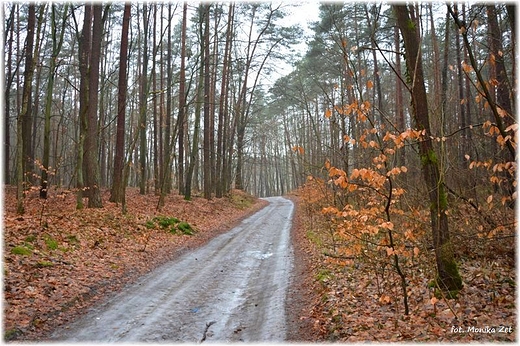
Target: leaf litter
(73, 259)
(356, 299)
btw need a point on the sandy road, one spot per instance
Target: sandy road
(232, 289)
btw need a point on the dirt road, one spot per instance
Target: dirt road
(232, 289)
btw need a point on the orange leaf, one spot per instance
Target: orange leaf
(328, 113)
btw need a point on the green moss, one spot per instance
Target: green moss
(185, 228)
(73, 240)
(44, 264)
(166, 222)
(429, 158)
(171, 224)
(449, 279)
(21, 250)
(12, 334)
(324, 275)
(452, 280)
(30, 238)
(411, 25)
(443, 199)
(52, 244)
(314, 238)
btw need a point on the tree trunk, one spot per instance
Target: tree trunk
(84, 59)
(7, 93)
(448, 275)
(157, 129)
(26, 109)
(222, 110)
(118, 186)
(28, 119)
(463, 123)
(503, 91)
(436, 62)
(56, 47)
(93, 178)
(399, 103)
(182, 101)
(207, 107)
(142, 105)
(198, 105)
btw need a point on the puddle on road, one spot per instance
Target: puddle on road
(258, 254)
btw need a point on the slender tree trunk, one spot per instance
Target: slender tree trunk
(28, 121)
(436, 62)
(85, 43)
(26, 109)
(155, 121)
(466, 133)
(167, 144)
(399, 103)
(503, 91)
(213, 87)
(462, 109)
(511, 13)
(198, 105)
(9, 81)
(182, 101)
(224, 87)
(118, 186)
(207, 107)
(142, 105)
(445, 63)
(56, 47)
(448, 275)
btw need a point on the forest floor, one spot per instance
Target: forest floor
(358, 301)
(58, 261)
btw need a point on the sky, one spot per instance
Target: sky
(302, 13)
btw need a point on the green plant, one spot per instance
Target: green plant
(43, 264)
(52, 244)
(21, 250)
(185, 228)
(30, 238)
(12, 334)
(324, 275)
(168, 222)
(73, 240)
(171, 224)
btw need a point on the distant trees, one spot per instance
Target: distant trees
(122, 96)
(197, 107)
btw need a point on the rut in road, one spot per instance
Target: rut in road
(232, 289)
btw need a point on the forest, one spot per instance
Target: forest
(394, 128)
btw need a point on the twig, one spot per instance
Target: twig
(208, 324)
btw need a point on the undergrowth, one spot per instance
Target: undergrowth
(362, 291)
